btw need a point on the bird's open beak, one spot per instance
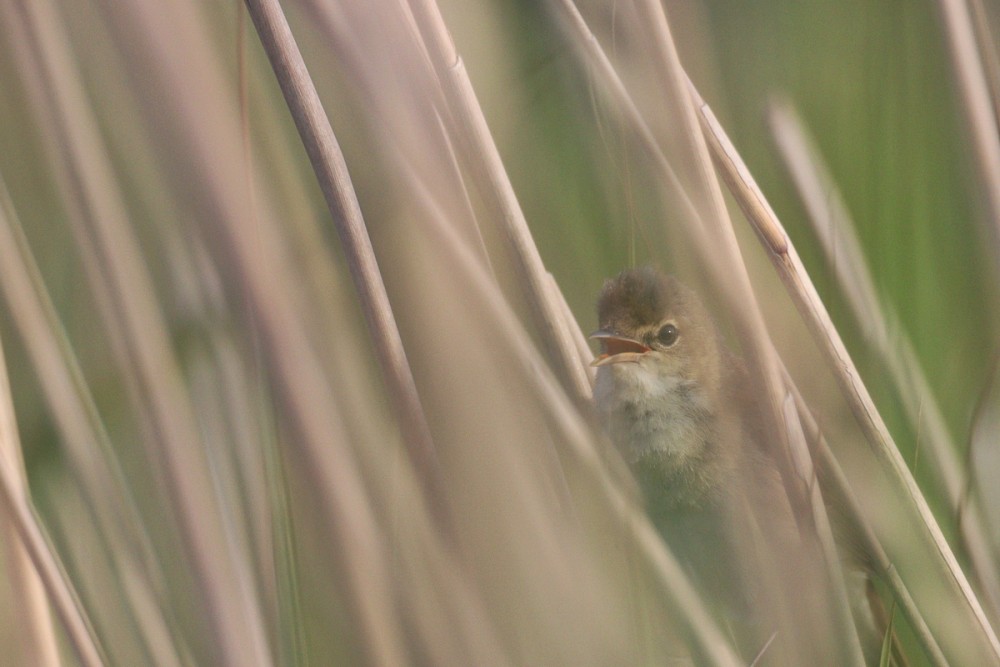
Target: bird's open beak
(617, 349)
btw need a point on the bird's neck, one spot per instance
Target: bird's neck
(671, 434)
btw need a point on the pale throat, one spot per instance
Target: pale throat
(651, 413)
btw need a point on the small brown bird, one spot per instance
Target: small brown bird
(679, 407)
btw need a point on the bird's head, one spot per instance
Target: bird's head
(650, 321)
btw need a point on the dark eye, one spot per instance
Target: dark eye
(667, 335)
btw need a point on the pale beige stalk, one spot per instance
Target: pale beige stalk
(87, 446)
(838, 492)
(36, 643)
(33, 566)
(977, 106)
(126, 296)
(480, 155)
(979, 644)
(334, 179)
(987, 50)
(849, 647)
(835, 230)
(583, 352)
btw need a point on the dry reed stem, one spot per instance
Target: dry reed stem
(480, 154)
(319, 287)
(583, 351)
(401, 92)
(597, 58)
(850, 648)
(987, 51)
(226, 393)
(32, 617)
(841, 495)
(334, 179)
(835, 229)
(173, 58)
(977, 105)
(126, 296)
(460, 596)
(790, 269)
(39, 642)
(79, 425)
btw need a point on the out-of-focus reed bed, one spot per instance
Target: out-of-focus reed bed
(350, 424)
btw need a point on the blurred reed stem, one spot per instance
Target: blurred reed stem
(88, 447)
(482, 158)
(834, 228)
(987, 51)
(980, 645)
(849, 644)
(840, 494)
(137, 327)
(977, 106)
(37, 643)
(568, 321)
(332, 173)
(30, 559)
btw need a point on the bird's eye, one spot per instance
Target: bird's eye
(667, 335)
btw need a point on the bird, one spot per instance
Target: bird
(679, 407)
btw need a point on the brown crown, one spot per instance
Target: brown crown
(637, 298)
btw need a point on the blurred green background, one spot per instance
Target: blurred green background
(871, 80)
